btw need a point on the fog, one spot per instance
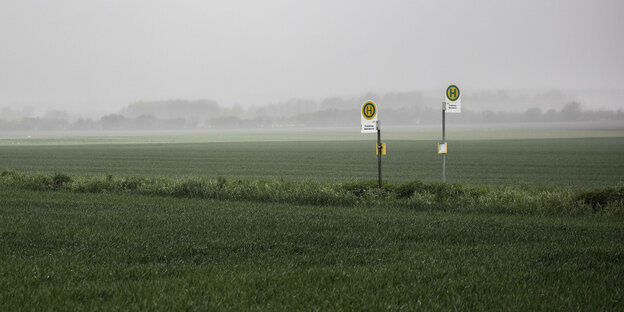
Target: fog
(88, 59)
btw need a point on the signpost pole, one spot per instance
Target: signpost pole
(443, 141)
(379, 152)
(452, 104)
(370, 124)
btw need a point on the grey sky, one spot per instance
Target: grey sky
(104, 54)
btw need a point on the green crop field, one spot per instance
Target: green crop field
(107, 252)
(531, 220)
(548, 161)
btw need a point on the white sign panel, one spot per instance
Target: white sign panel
(369, 117)
(442, 148)
(452, 99)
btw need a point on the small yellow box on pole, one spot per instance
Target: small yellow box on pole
(383, 149)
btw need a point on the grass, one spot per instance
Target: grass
(283, 222)
(69, 251)
(563, 162)
(412, 195)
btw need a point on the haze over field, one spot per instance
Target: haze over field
(96, 57)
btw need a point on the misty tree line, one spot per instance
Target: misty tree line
(332, 112)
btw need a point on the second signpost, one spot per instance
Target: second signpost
(370, 124)
(451, 104)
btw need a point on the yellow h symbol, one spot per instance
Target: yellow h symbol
(369, 110)
(452, 93)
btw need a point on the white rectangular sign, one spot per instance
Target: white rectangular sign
(369, 117)
(442, 148)
(369, 128)
(453, 107)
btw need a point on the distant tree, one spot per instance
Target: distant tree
(571, 112)
(145, 122)
(533, 114)
(113, 122)
(550, 115)
(56, 115)
(83, 124)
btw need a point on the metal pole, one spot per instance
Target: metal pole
(443, 141)
(379, 152)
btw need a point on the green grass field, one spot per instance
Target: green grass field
(582, 162)
(107, 252)
(98, 242)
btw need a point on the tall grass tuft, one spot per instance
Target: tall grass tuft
(602, 198)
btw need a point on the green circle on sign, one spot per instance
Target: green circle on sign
(369, 110)
(452, 93)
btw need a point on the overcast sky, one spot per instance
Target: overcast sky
(104, 54)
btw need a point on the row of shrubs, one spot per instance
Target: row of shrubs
(414, 194)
